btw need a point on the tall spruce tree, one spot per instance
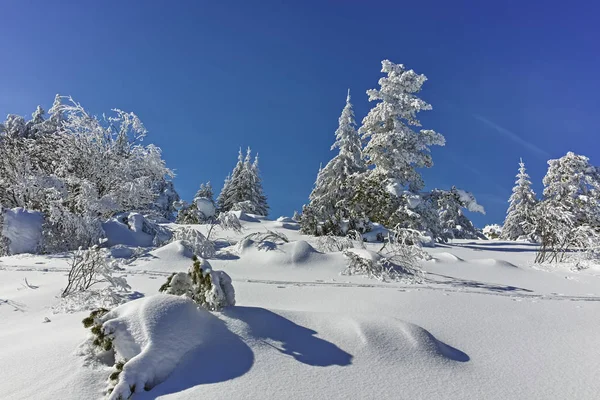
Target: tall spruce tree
(330, 198)
(394, 148)
(520, 214)
(257, 196)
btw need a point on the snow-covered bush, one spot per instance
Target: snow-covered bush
(146, 339)
(373, 265)
(208, 288)
(493, 231)
(263, 240)
(229, 221)
(397, 260)
(78, 169)
(330, 243)
(88, 268)
(195, 241)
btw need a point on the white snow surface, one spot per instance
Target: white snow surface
(23, 228)
(206, 207)
(486, 324)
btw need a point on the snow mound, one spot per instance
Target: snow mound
(287, 225)
(446, 257)
(130, 234)
(242, 216)
(267, 252)
(154, 334)
(395, 339)
(285, 219)
(493, 262)
(23, 228)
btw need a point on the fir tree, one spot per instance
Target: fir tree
(394, 148)
(331, 197)
(205, 191)
(258, 197)
(520, 214)
(569, 215)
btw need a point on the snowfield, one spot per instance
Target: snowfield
(485, 324)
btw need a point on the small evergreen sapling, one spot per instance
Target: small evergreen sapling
(208, 288)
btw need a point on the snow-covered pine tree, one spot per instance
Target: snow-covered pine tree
(394, 148)
(330, 199)
(454, 223)
(230, 195)
(257, 196)
(222, 197)
(520, 214)
(569, 215)
(205, 191)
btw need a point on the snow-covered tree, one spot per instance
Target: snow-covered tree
(331, 197)
(394, 149)
(455, 224)
(244, 186)
(257, 195)
(206, 192)
(520, 215)
(78, 169)
(569, 215)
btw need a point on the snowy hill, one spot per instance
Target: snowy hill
(484, 324)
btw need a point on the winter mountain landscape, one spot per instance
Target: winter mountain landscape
(126, 274)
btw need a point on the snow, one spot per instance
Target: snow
(129, 233)
(486, 323)
(206, 207)
(153, 334)
(23, 228)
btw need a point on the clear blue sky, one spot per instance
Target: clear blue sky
(507, 79)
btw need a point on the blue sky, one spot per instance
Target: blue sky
(506, 80)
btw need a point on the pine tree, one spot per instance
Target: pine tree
(257, 196)
(520, 214)
(243, 189)
(569, 215)
(394, 148)
(205, 191)
(230, 193)
(330, 199)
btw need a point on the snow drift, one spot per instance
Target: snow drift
(153, 334)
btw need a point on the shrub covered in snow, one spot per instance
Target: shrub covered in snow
(208, 288)
(90, 268)
(78, 169)
(493, 231)
(145, 339)
(195, 241)
(397, 260)
(263, 240)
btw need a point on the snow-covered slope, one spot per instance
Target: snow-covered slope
(485, 324)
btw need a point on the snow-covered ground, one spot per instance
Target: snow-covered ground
(485, 324)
